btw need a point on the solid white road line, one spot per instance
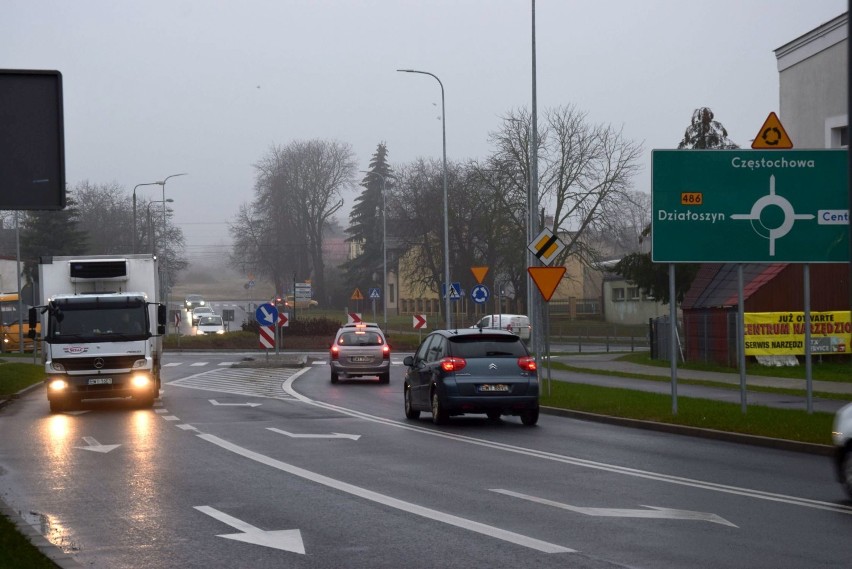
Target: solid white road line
(415, 509)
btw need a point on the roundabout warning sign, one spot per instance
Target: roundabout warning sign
(747, 206)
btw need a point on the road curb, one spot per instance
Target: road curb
(5, 401)
(48, 549)
(754, 440)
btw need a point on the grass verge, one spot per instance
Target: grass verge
(789, 424)
(704, 382)
(16, 551)
(15, 376)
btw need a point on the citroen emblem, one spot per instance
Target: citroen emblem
(492, 366)
(99, 363)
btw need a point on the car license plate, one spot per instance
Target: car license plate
(494, 387)
(100, 381)
(360, 359)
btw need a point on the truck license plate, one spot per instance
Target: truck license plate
(100, 380)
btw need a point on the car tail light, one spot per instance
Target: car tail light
(385, 351)
(335, 351)
(527, 363)
(453, 364)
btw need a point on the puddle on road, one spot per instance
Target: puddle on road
(52, 529)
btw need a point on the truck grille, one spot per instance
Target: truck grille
(88, 364)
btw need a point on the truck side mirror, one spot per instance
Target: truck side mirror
(162, 316)
(33, 320)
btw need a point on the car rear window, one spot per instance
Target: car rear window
(481, 346)
(360, 339)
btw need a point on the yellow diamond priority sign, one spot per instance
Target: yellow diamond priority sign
(546, 246)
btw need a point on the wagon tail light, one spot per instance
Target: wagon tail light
(527, 363)
(385, 352)
(335, 351)
(453, 364)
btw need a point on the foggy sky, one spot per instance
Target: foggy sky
(159, 87)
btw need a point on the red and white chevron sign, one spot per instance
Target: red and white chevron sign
(267, 337)
(354, 318)
(419, 321)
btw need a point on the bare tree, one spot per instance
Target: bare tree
(106, 215)
(587, 170)
(297, 192)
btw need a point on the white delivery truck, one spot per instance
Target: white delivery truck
(102, 323)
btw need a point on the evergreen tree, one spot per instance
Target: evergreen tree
(46, 233)
(365, 221)
(704, 133)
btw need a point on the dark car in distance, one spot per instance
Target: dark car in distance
(456, 372)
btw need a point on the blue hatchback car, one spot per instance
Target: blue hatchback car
(455, 372)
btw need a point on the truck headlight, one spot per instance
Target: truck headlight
(140, 363)
(56, 366)
(58, 385)
(220, 331)
(140, 381)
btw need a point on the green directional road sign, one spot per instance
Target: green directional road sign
(750, 206)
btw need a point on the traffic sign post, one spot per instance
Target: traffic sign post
(455, 291)
(772, 135)
(546, 246)
(480, 294)
(419, 322)
(750, 206)
(266, 314)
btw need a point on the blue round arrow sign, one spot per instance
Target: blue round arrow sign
(480, 294)
(266, 314)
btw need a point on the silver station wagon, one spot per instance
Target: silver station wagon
(360, 350)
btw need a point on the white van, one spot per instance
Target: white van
(516, 323)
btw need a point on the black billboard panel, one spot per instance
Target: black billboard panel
(32, 149)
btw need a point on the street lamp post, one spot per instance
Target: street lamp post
(165, 257)
(134, 209)
(448, 284)
(151, 241)
(384, 249)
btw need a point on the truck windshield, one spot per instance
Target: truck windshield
(97, 324)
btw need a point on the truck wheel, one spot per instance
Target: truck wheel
(145, 401)
(334, 377)
(57, 406)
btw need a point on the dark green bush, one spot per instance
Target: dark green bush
(302, 327)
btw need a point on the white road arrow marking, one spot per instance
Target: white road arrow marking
(653, 512)
(95, 446)
(312, 436)
(402, 505)
(214, 402)
(285, 540)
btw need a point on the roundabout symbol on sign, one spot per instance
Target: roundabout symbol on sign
(772, 233)
(480, 294)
